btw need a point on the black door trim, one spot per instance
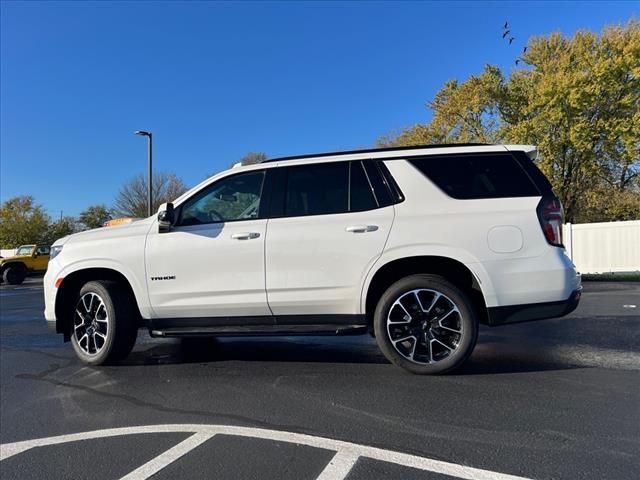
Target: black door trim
(257, 325)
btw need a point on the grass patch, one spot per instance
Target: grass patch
(611, 277)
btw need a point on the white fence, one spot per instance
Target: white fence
(604, 247)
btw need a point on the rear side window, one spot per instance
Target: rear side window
(326, 188)
(534, 172)
(383, 193)
(473, 176)
(361, 192)
(317, 189)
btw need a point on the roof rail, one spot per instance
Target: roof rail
(372, 150)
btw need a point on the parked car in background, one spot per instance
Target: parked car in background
(28, 260)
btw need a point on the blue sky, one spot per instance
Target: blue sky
(213, 81)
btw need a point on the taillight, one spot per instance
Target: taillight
(551, 216)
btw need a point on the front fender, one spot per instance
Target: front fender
(124, 270)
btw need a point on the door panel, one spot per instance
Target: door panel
(212, 263)
(316, 266)
(333, 228)
(215, 273)
(42, 260)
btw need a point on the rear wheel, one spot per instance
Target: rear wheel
(425, 324)
(104, 326)
(14, 274)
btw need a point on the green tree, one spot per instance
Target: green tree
(58, 229)
(94, 216)
(577, 99)
(22, 221)
(131, 200)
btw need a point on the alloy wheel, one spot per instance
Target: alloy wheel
(425, 326)
(91, 323)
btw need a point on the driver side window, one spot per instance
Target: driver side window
(231, 199)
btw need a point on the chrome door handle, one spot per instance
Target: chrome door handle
(245, 235)
(362, 228)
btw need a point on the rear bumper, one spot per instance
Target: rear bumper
(533, 311)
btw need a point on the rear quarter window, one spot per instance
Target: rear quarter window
(475, 176)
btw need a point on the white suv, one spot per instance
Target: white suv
(414, 245)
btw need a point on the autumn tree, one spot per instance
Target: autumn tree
(95, 216)
(131, 200)
(577, 99)
(22, 221)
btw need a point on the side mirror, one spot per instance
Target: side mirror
(34, 254)
(166, 217)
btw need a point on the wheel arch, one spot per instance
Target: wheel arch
(72, 284)
(12, 263)
(449, 268)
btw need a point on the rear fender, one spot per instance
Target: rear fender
(461, 256)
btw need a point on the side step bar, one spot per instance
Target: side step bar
(258, 330)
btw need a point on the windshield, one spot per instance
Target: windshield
(25, 250)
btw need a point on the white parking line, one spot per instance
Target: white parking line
(169, 456)
(341, 464)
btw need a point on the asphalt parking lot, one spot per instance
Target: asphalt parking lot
(554, 399)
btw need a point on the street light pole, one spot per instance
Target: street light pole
(150, 168)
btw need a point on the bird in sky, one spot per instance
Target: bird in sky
(506, 32)
(517, 61)
(511, 40)
(524, 50)
(506, 25)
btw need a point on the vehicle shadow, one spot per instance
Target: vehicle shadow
(490, 358)
(260, 349)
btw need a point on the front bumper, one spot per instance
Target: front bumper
(50, 292)
(51, 325)
(533, 311)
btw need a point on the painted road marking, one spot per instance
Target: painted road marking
(169, 456)
(347, 453)
(339, 466)
(628, 306)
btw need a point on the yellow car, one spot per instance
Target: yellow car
(28, 260)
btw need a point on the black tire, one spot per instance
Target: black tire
(429, 334)
(116, 320)
(14, 274)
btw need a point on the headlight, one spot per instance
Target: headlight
(55, 250)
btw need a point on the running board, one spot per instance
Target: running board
(259, 330)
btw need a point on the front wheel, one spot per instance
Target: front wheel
(425, 324)
(104, 326)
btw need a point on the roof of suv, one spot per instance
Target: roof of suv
(387, 152)
(375, 150)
